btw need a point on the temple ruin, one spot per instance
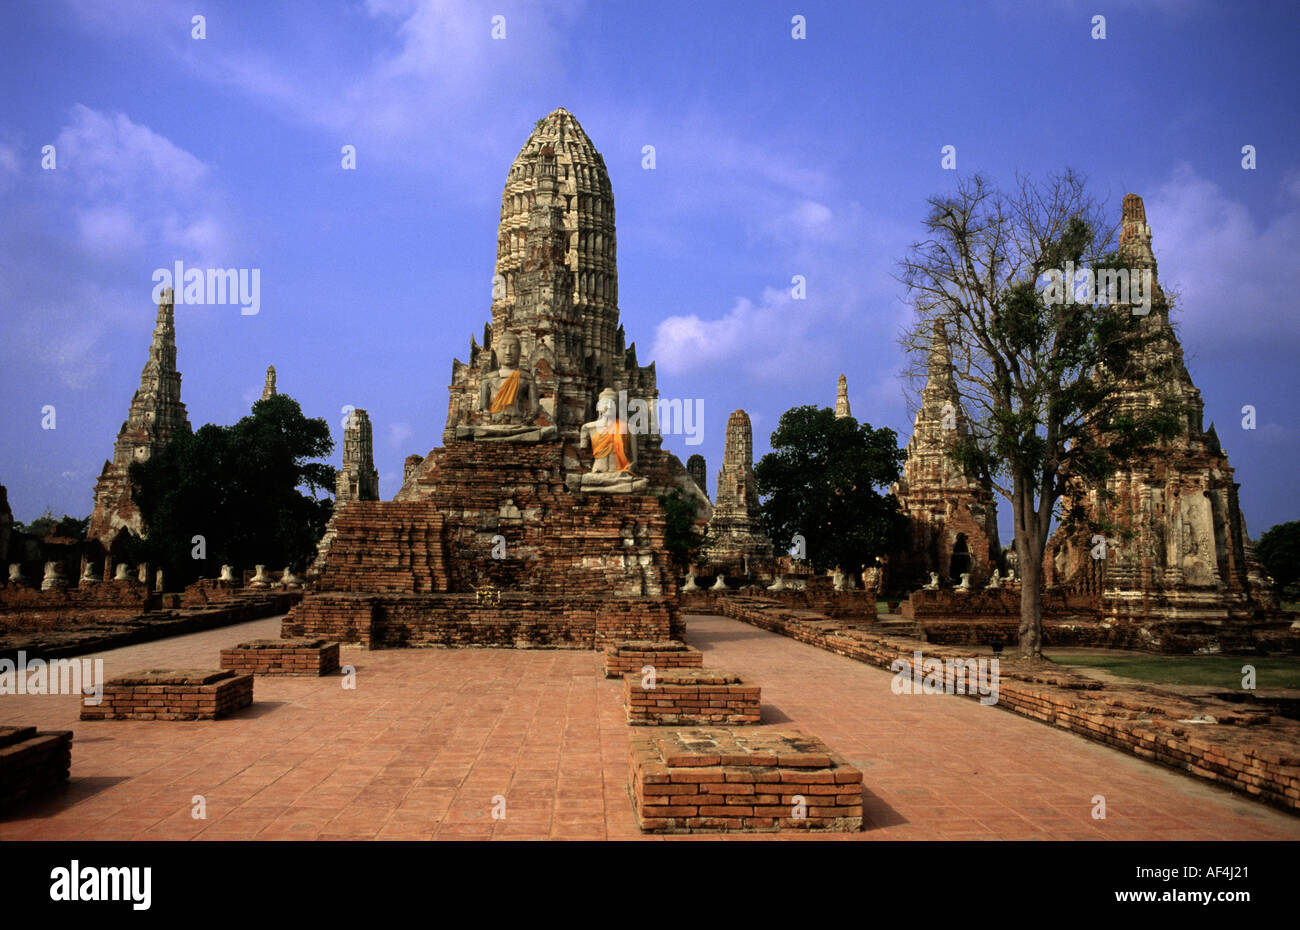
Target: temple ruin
(1180, 550)
(156, 415)
(537, 522)
(357, 480)
(953, 528)
(739, 543)
(268, 387)
(842, 399)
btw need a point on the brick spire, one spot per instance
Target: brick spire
(357, 480)
(156, 415)
(842, 399)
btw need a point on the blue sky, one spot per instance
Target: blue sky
(774, 157)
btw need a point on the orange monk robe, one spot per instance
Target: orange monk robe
(505, 395)
(612, 442)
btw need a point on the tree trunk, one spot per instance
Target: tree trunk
(1031, 603)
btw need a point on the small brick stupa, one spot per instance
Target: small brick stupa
(537, 522)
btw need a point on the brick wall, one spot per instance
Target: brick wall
(518, 621)
(90, 631)
(1247, 751)
(847, 605)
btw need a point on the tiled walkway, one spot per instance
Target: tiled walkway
(430, 740)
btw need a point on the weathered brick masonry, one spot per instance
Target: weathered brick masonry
(716, 779)
(89, 631)
(305, 657)
(32, 762)
(819, 596)
(1244, 750)
(172, 694)
(632, 656)
(691, 697)
(579, 570)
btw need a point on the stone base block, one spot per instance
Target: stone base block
(172, 694)
(32, 762)
(714, 779)
(633, 655)
(302, 657)
(691, 697)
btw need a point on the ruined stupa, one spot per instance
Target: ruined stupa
(357, 480)
(1181, 551)
(537, 522)
(156, 415)
(268, 387)
(842, 409)
(739, 543)
(952, 518)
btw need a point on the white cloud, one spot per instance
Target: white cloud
(1236, 274)
(111, 155)
(107, 231)
(398, 433)
(129, 188)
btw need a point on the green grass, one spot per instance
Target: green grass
(1215, 671)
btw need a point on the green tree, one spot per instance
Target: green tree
(74, 527)
(1278, 550)
(681, 537)
(819, 482)
(1040, 379)
(239, 487)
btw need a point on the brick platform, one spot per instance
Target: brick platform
(631, 656)
(31, 762)
(714, 779)
(172, 694)
(307, 657)
(691, 697)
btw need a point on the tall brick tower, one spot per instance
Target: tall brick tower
(268, 387)
(156, 415)
(556, 286)
(357, 480)
(1181, 551)
(736, 525)
(517, 531)
(953, 517)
